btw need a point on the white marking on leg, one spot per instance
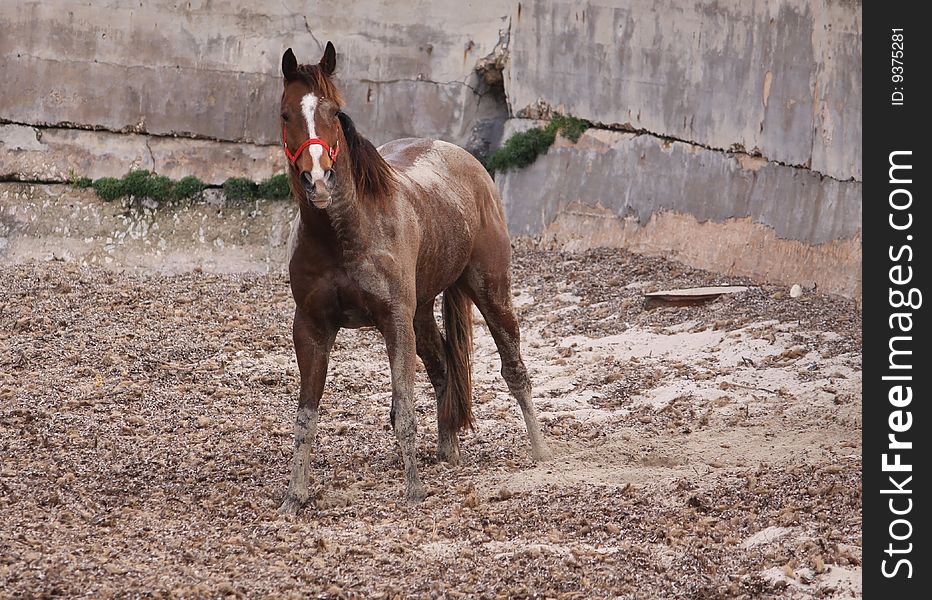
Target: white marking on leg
(308, 108)
(539, 449)
(448, 447)
(305, 430)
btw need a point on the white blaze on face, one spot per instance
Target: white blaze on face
(308, 108)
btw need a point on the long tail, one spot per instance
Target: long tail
(455, 409)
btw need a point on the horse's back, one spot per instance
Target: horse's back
(448, 173)
(402, 153)
(417, 157)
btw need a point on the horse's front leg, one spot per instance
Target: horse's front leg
(312, 343)
(398, 330)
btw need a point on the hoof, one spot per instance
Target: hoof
(416, 494)
(451, 458)
(541, 453)
(291, 505)
(448, 447)
(448, 454)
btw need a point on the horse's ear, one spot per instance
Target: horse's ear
(328, 62)
(289, 65)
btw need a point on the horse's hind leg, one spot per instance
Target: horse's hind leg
(489, 286)
(430, 349)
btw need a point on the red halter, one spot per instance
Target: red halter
(331, 152)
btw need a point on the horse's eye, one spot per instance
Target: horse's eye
(285, 117)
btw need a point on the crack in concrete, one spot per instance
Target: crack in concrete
(151, 155)
(197, 69)
(421, 80)
(14, 178)
(132, 130)
(735, 150)
(307, 26)
(491, 66)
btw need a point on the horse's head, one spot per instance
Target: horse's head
(311, 131)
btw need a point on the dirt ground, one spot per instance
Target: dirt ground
(707, 451)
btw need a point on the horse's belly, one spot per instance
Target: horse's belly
(434, 276)
(355, 320)
(448, 229)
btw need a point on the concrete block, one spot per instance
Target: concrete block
(724, 212)
(780, 78)
(32, 154)
(212, 69)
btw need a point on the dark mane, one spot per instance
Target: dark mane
(320, 83)
(374, 177)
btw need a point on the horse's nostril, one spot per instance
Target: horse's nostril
(306, 178)
(327, 174)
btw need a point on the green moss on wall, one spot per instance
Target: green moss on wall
(522, 149)
(144, 184)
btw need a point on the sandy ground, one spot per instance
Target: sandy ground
(707, 451)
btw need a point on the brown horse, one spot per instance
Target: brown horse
(380, 234)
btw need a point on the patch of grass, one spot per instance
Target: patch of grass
(275, 187)
(136, 183)
(159, 187)
(522, 149)
(109, 188)
(79, 182)
(240, 189)
(187, 188)
(144, 184)
(569, 127)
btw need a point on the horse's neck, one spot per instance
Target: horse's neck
(343, 217)
(344, 211)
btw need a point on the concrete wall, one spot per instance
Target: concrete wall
(631, 173)
(59, 154)
(777, 78)
(728, 133)
(728, 212)
(743, 116)
(211, 68)
(58, 222)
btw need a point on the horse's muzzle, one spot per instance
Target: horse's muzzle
(318, 191)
